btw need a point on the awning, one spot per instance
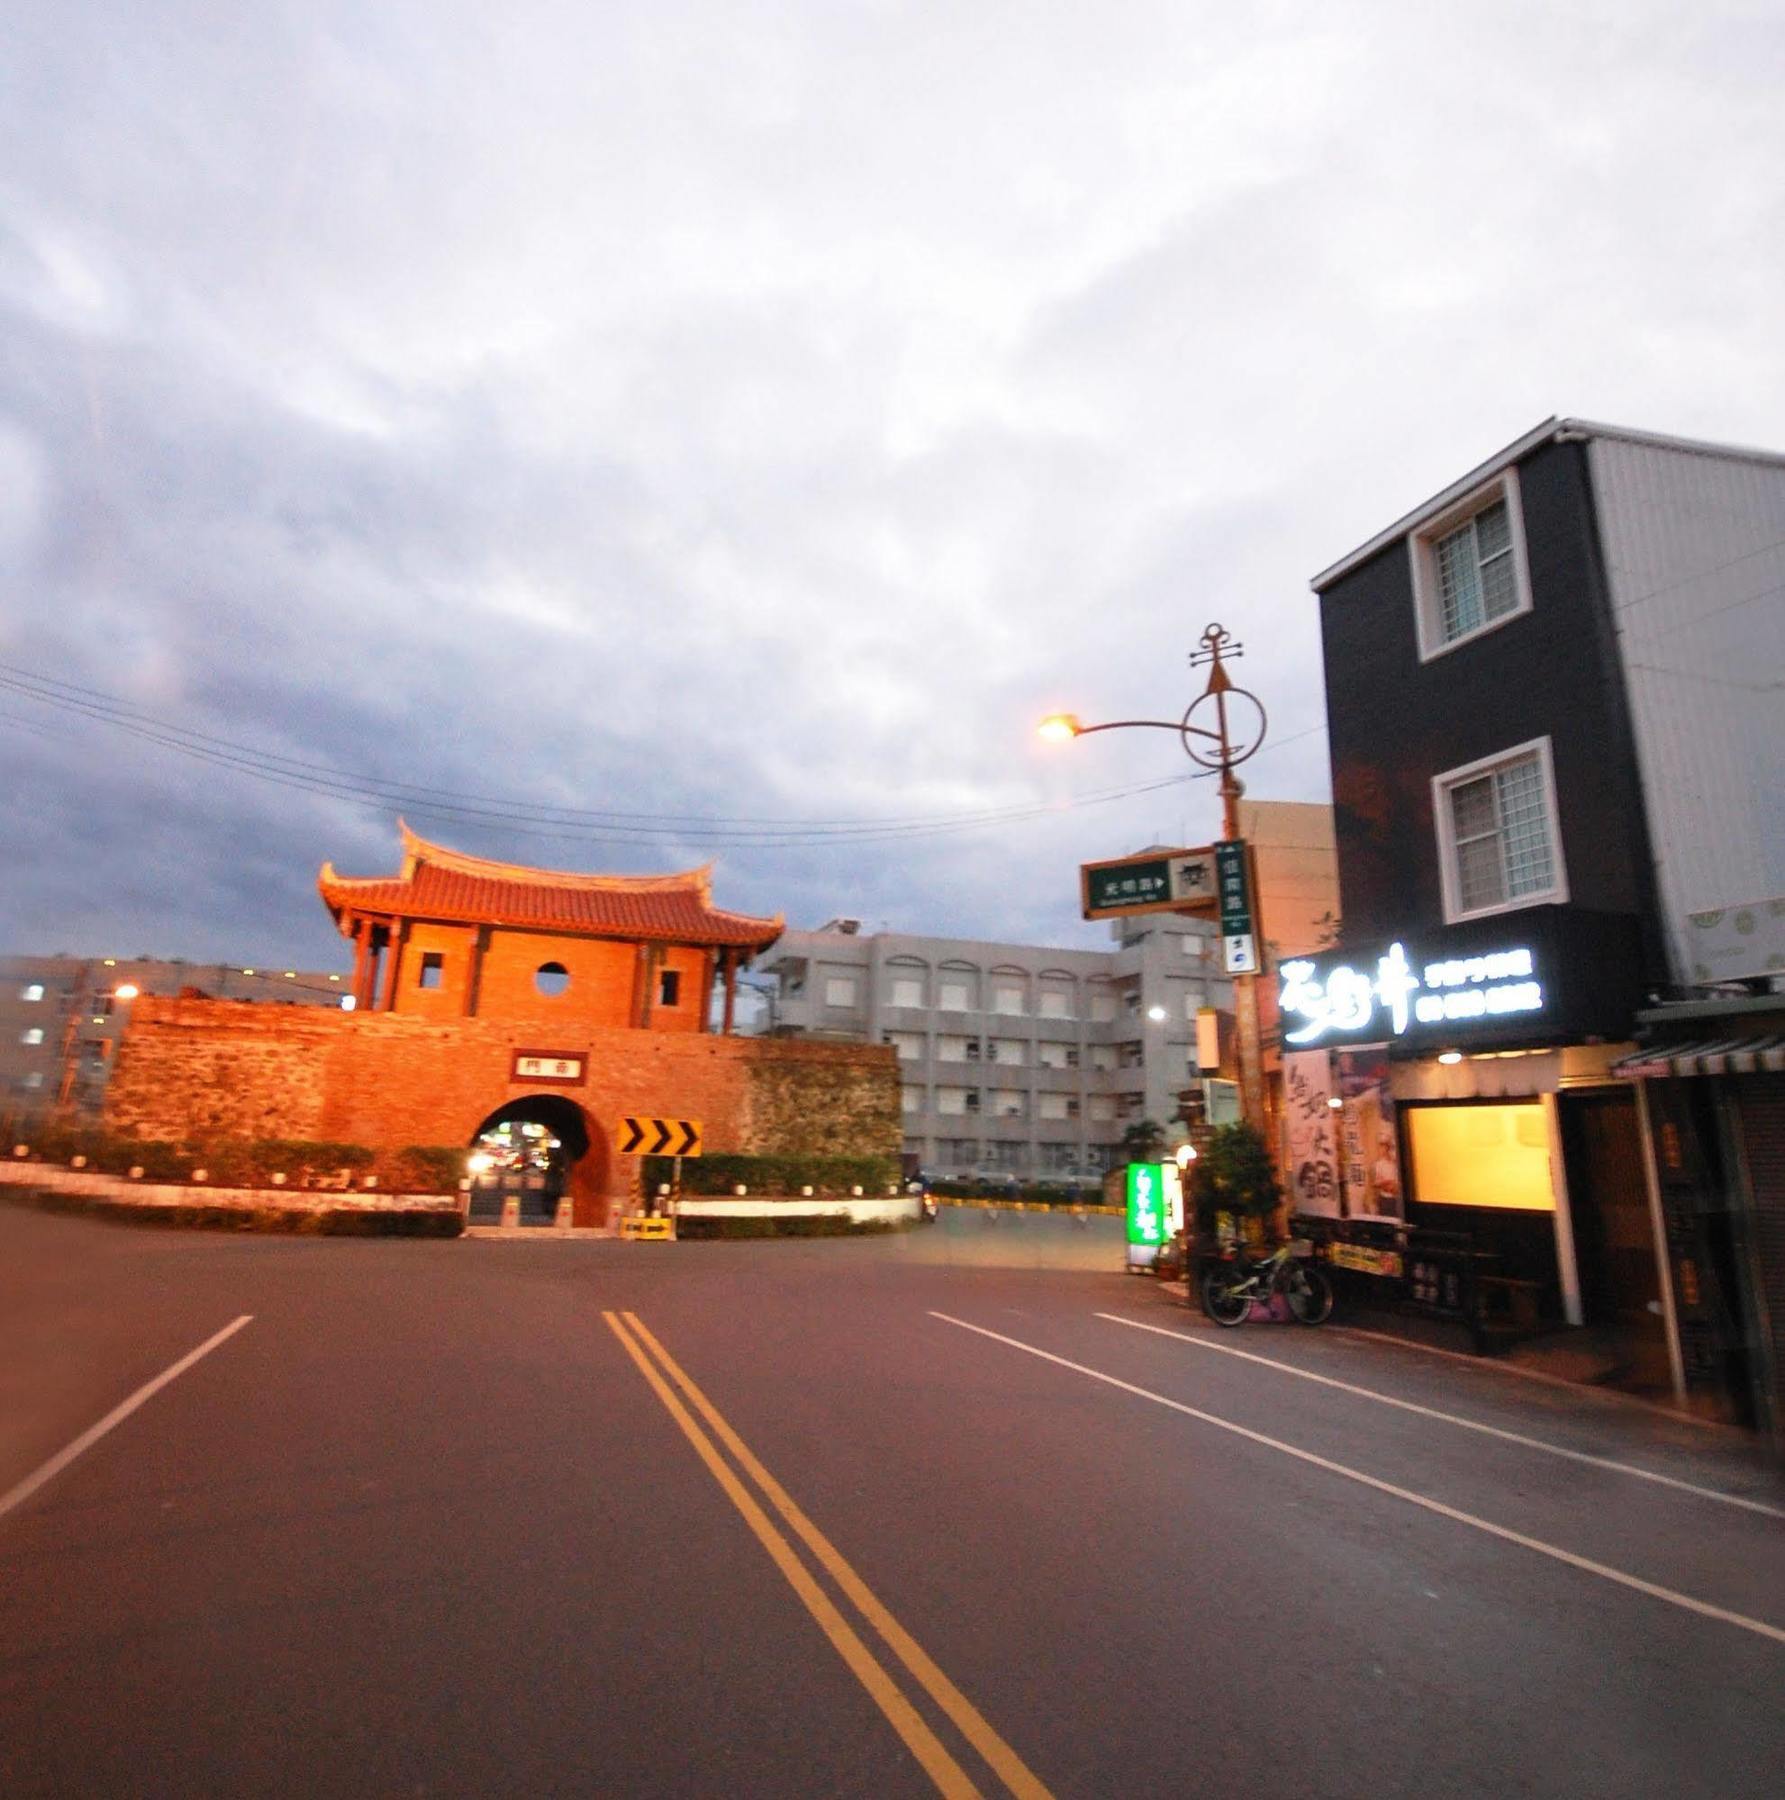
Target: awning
(1756, 1054)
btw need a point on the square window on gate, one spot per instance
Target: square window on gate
(433, 969)
(669, 988)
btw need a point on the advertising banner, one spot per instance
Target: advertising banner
(1309, 1124)
(1371, 1149)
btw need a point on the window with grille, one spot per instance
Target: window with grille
(1469, 568)
(1497, 834)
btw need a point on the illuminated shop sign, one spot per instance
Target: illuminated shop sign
(1337, 1000)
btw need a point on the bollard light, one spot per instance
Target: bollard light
(136, 1171)
(77, 1162)
(201, 1174)
(279, 1179)
(740, 1190)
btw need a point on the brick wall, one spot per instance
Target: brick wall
(196, 1069)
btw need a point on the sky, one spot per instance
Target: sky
(685, 431)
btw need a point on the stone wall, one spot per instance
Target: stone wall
(205, 1069)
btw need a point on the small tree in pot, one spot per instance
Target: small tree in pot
(1233, 1188)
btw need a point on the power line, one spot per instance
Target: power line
(533, 820)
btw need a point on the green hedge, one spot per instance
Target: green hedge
(719, 1175)
(249, 1163)
(320, 1221)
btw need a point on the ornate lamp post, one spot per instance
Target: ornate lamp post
(1222, 727)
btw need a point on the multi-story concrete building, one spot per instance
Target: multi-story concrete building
(1015, 1060)
(60, 1016)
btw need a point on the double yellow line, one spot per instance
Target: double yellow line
(655, 1363)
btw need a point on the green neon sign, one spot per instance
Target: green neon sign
(1146, 1204)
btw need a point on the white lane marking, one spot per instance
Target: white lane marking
(1432, 1412)
(119, 1413)
(1485, 1367)
(1606, 1573)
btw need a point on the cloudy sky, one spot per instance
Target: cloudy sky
(682, 430)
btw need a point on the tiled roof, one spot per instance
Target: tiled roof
(437, 883)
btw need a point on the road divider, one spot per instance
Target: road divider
(1448, 1418)
(660, 1370)
(1586, 1564)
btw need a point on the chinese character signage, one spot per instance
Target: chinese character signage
(1146, 1204)
(558, 1067)
(1239, 945)
(1172, 881)
(1379, 999)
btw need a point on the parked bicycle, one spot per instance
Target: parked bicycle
(1229, 1288)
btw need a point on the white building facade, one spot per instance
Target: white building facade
(1016, 1061)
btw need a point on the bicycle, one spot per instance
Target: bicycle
(1228, 1288)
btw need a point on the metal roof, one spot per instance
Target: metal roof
(1552, 430)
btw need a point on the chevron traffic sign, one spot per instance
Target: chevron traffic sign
(659, 1137)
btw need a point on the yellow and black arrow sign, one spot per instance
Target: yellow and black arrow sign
(659, 1137)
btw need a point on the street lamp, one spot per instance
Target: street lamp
(1218, 750)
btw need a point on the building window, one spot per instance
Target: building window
(908, 1044)
(907, 990)
(31, 991)
(1052, 1054)
(839, 990)
(1103, 1109)
(32, 1035)
(1469, 570)
(1103, 1056)
(669, 987)
(1010, 1052)
(954, 996)
(911, 1099)
(952, 1101)
(433, 969)
(1497, 843)
(32, 1081)
(551, 979)
(1010, 1103)
(1056, 1003)
(1008, 1000)
(1103, 1007)
(951, 1049)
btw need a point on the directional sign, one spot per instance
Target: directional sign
(1164, 881)
(1239, 951)
(659, 1137)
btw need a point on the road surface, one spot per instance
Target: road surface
(862, 1517)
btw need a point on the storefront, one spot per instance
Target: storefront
(1456, 1096)
(1712, 1091)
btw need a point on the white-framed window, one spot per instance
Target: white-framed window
(1103, 1006)
(1056, 1003)
(1010, 1103)
(1469, 569)
(954, 996)
(1103, 1056)
(954, 1049)
(908, 1044)
(839, 990)
(1498, 843)
(1194, 1001)
(31, 991)
(951, 1102)
(1056, 1106)
(907, 990)
(1103, 1109)
(910, 1099)
(1052, 1054)
(1007, 998)
(32, 1034)
(1011, 1053)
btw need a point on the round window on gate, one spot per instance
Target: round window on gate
(551, 979)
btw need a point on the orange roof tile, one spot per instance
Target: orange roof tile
(443, 884)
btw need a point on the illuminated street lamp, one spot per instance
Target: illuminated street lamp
(127, 990)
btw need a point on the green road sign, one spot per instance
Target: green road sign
(1235, 891)
(1176, 881)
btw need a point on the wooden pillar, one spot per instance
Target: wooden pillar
(393, 959)
(362, 962)
(709, 963)
(474, 968)
(732, 959)
(641, 987)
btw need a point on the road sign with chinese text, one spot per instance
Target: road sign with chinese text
(1161, 881)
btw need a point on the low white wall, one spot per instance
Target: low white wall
(861, 1212)
(53, 1178)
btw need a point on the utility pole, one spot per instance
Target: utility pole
(1231, 704)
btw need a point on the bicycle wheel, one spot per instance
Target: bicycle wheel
(1223, 1296)
(1309, 1293)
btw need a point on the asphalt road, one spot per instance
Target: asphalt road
(866, 1517)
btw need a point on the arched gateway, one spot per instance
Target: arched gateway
(529, 1158)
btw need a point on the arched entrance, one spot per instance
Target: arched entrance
(535, 1152)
